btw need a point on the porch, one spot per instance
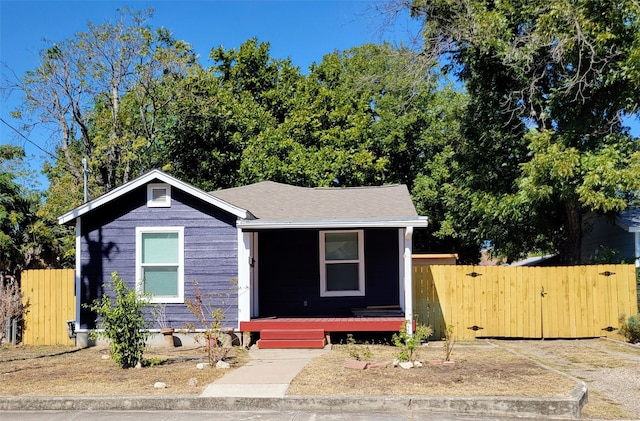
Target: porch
(313, 332)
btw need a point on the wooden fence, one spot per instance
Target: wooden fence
(50, 295)
(479, 301)
(524, 302)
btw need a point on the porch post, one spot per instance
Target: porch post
(244, 281)
(408, 278)
(78, 272)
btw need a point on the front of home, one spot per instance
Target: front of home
(264, 253)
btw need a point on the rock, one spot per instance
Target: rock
(396, 362)
(202, 366)
(105, 357)
(222, 365)
(192, 382)
(355, 364)
(377, 365)
(160, 385)
(406, 365)
(417, 364)
(139, 364)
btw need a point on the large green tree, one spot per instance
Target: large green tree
(356, 119)
(549, 83)
(26, 239)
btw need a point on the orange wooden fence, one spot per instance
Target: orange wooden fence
(524, 302)
(50, 295)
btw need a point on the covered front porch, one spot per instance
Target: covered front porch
(314, 332)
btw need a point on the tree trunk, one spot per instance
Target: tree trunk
(572, 241)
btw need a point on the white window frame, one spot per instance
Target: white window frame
(323, 266)
(151, 203)
(139, 265)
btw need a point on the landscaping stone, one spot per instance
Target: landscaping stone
(222, 365)
(160, 385)
(396, 362)
(378, 365)
(417, 364)
(355, 364)
(202, 366)
(406, 365)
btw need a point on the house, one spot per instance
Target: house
(280, 260)
(615, 237)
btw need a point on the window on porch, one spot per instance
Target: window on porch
(341, 263)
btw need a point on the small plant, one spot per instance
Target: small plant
(449, 342)
(630, 328)
(11, 303)
(123, 321)
(159, 312)
(356, 352)
(210, 317)
(407, 342)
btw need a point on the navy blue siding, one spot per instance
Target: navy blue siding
(289, 274)
(210, 248)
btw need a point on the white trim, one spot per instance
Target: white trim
(78, 271)
(141, 181)
(244, 281)
(408, 278)
(139, 281)
(360, 261)
(156, 203)
(333, 224)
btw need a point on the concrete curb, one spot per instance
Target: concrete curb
(565, 408)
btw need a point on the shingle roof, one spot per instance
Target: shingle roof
(268, 200)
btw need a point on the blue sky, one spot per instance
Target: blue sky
(302, 30)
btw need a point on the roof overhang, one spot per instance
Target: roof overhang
(141, 181)
(258, 224)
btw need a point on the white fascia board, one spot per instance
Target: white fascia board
(419, 222)
(142, 180)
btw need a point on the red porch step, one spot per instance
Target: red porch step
(291, 338)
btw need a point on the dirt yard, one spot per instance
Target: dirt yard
(610, 369)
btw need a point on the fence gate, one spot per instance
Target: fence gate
(50, 296)
(524, 302)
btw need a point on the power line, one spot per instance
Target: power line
(27, 139)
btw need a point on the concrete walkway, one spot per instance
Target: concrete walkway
(267, 375)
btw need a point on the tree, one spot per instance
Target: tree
(357, 119)
(549, 83)
(102, 93)
(244, 93)
(26, 241)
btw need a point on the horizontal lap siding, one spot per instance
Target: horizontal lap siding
(210, 249)
(289, 274)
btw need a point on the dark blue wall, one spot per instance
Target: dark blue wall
(210, 237)
(289, 274)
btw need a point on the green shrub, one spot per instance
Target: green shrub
(408, 343)
(356, 352)
(123, 322)
(630, 328)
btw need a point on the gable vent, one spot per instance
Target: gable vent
(158, 195)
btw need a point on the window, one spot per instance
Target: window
(158, 195)
(160, 263)
(341, 263)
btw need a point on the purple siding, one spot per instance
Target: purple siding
(289, 274)
(210, 250)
